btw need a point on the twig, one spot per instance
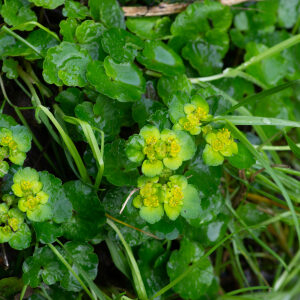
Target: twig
(130, 226)
(159, 10)
(165, 9)
(127, 199)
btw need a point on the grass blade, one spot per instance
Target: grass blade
(250, 120)
(271, 172)
(137, 278)
(262, 95)
(69, 143)
(295, 149)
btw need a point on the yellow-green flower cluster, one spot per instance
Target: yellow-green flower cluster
(157, 150)
(189, 114)
(32, 199)
(11, 220)
(10, 147)
(174, 197)
(220, 144)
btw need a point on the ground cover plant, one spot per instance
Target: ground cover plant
(148, 150)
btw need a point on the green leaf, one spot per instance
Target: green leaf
(270, 70)
(121, 45)
(198, 281)
(7, 121)
(10, 286)
(66, 64)
(295, 149)
(89, 34)
(197, 170)
(168, 86)
(159, 57)
(153, 277)
(47, 232)
(50, 4)
(60, 205)
(68, 99)
(88, 215)
(243, 159)
(160, 119)
(105, 115)
(85, 257)
(201, 17)
(43, 266)
(119, 170)
(68, 29)
(42, 41)
(10, 68)
(288, 13)
(143, 109)
(150, 28)
(108, 12)
(22, 136)
(16, 12)
(74, 9)
(208, 233)
(124, 81)
(9, 46)
(21, 239)
(204, 57)
(167, 229)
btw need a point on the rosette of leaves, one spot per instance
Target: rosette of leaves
(122, 81)
(12, 227)
(156, 150)
(15, 141)
(189, 113)
(220, 144)
(175, 197)
(200, 33)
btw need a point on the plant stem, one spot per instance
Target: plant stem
(9, 31)
(23, 291)
(38, 25)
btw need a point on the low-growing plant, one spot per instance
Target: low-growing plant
(154, 153)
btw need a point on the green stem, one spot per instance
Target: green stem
(9, 31)
(67, 265)
(233, 72)
(23, 291)
(137, 278)
(92, 141)
(247, 289)
(38, 25)
(275, 148)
